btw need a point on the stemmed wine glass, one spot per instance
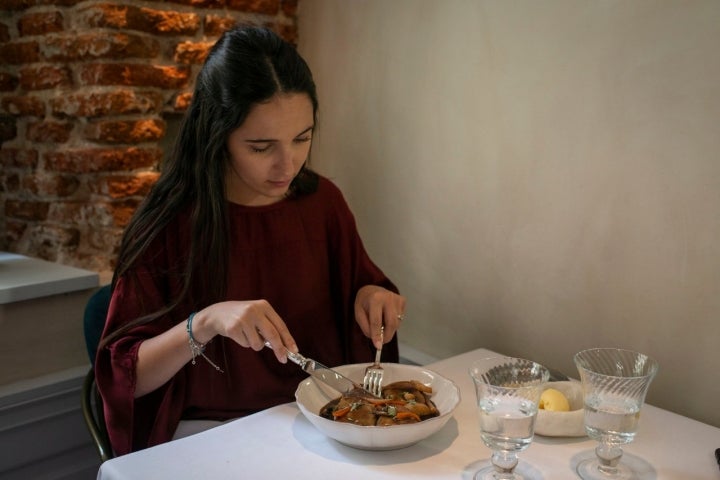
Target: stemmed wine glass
(508, 392)
(614, 382)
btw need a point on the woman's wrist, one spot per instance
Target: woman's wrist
(197, 347)
(199, 328)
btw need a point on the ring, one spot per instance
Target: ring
(400, 318)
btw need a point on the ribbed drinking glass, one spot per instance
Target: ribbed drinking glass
(615, 383)
(508, 392)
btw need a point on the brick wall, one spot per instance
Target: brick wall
(91, 93)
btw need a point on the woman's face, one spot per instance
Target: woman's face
(268, 149)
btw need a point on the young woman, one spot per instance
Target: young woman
(238, 243)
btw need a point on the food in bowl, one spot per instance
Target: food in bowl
(312, 395)
(554, 400)
(570, 423)
(401, 403)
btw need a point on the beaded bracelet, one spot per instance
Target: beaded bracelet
(196, 348)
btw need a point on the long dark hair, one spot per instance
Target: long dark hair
(246, 66)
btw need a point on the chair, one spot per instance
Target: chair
(92, 407)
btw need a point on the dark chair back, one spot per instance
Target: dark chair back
(92, 406)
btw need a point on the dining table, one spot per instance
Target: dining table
(281, 443)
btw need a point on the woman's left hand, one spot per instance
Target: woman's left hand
(377, 306)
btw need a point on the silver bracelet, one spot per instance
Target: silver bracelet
(196, 348)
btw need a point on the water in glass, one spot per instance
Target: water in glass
(507, 425)
(612, 419)
(508, 391)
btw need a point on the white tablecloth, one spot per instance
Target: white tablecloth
(281, 443)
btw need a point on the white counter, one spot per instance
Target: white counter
(24, 278)
(41, 317)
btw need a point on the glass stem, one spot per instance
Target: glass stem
(609, 456)
(504, 464)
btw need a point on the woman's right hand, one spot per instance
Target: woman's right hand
(249, 323)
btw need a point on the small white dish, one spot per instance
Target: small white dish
(563, 424)
(312, 396)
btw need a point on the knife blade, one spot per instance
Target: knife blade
(325, 374)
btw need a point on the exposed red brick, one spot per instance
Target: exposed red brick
(215, 25)
(4, 33)
(16, 53)
(122, 186)
(134, 75)
(86, 46)
(48, 132)
(123, 211)
(13, 231)
(105, 214)
(182, 101)
(40, 23)
(102, 160)
(44, 77)
(289, 33)
(289, 7)
(106, 240)
(267, 7)
(126, 131)
(26, 105)
(26, 209)
(115, 102)
(192, 52)
(25, 4)
(200, 3)
(18, 158)
(10, 182)
(8, 82)
(53, 185)
(163, 22)
(69, 212)
(123, 62)
(48, 241)
(8, 128)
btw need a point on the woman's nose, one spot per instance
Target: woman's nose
(285, 159)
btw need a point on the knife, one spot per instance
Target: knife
(325, 374)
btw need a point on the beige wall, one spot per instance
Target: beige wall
(538, 177)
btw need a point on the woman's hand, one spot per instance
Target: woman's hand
(376, 306)
(248, 323)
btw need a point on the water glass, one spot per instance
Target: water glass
(614, 382)
(508, 392)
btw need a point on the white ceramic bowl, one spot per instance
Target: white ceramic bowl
(311, 396)
(563, 424)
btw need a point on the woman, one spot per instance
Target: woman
(238, 243)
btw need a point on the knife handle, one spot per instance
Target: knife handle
(294, 357)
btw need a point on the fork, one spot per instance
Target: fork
(372, 381)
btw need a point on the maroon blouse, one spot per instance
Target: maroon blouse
(303, 255)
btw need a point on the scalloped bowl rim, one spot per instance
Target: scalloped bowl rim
(311, 396)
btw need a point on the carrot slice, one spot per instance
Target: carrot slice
(341, 412)
(401, 415)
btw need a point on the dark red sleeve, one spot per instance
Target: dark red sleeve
(152, 419)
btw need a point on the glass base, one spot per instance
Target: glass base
(591, 469)
(489, 473)
(524, 471)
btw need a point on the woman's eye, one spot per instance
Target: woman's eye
(259, 149)
(303, 139)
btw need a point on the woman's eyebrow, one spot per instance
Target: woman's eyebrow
(268, 140)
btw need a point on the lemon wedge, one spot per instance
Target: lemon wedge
(554, 401)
